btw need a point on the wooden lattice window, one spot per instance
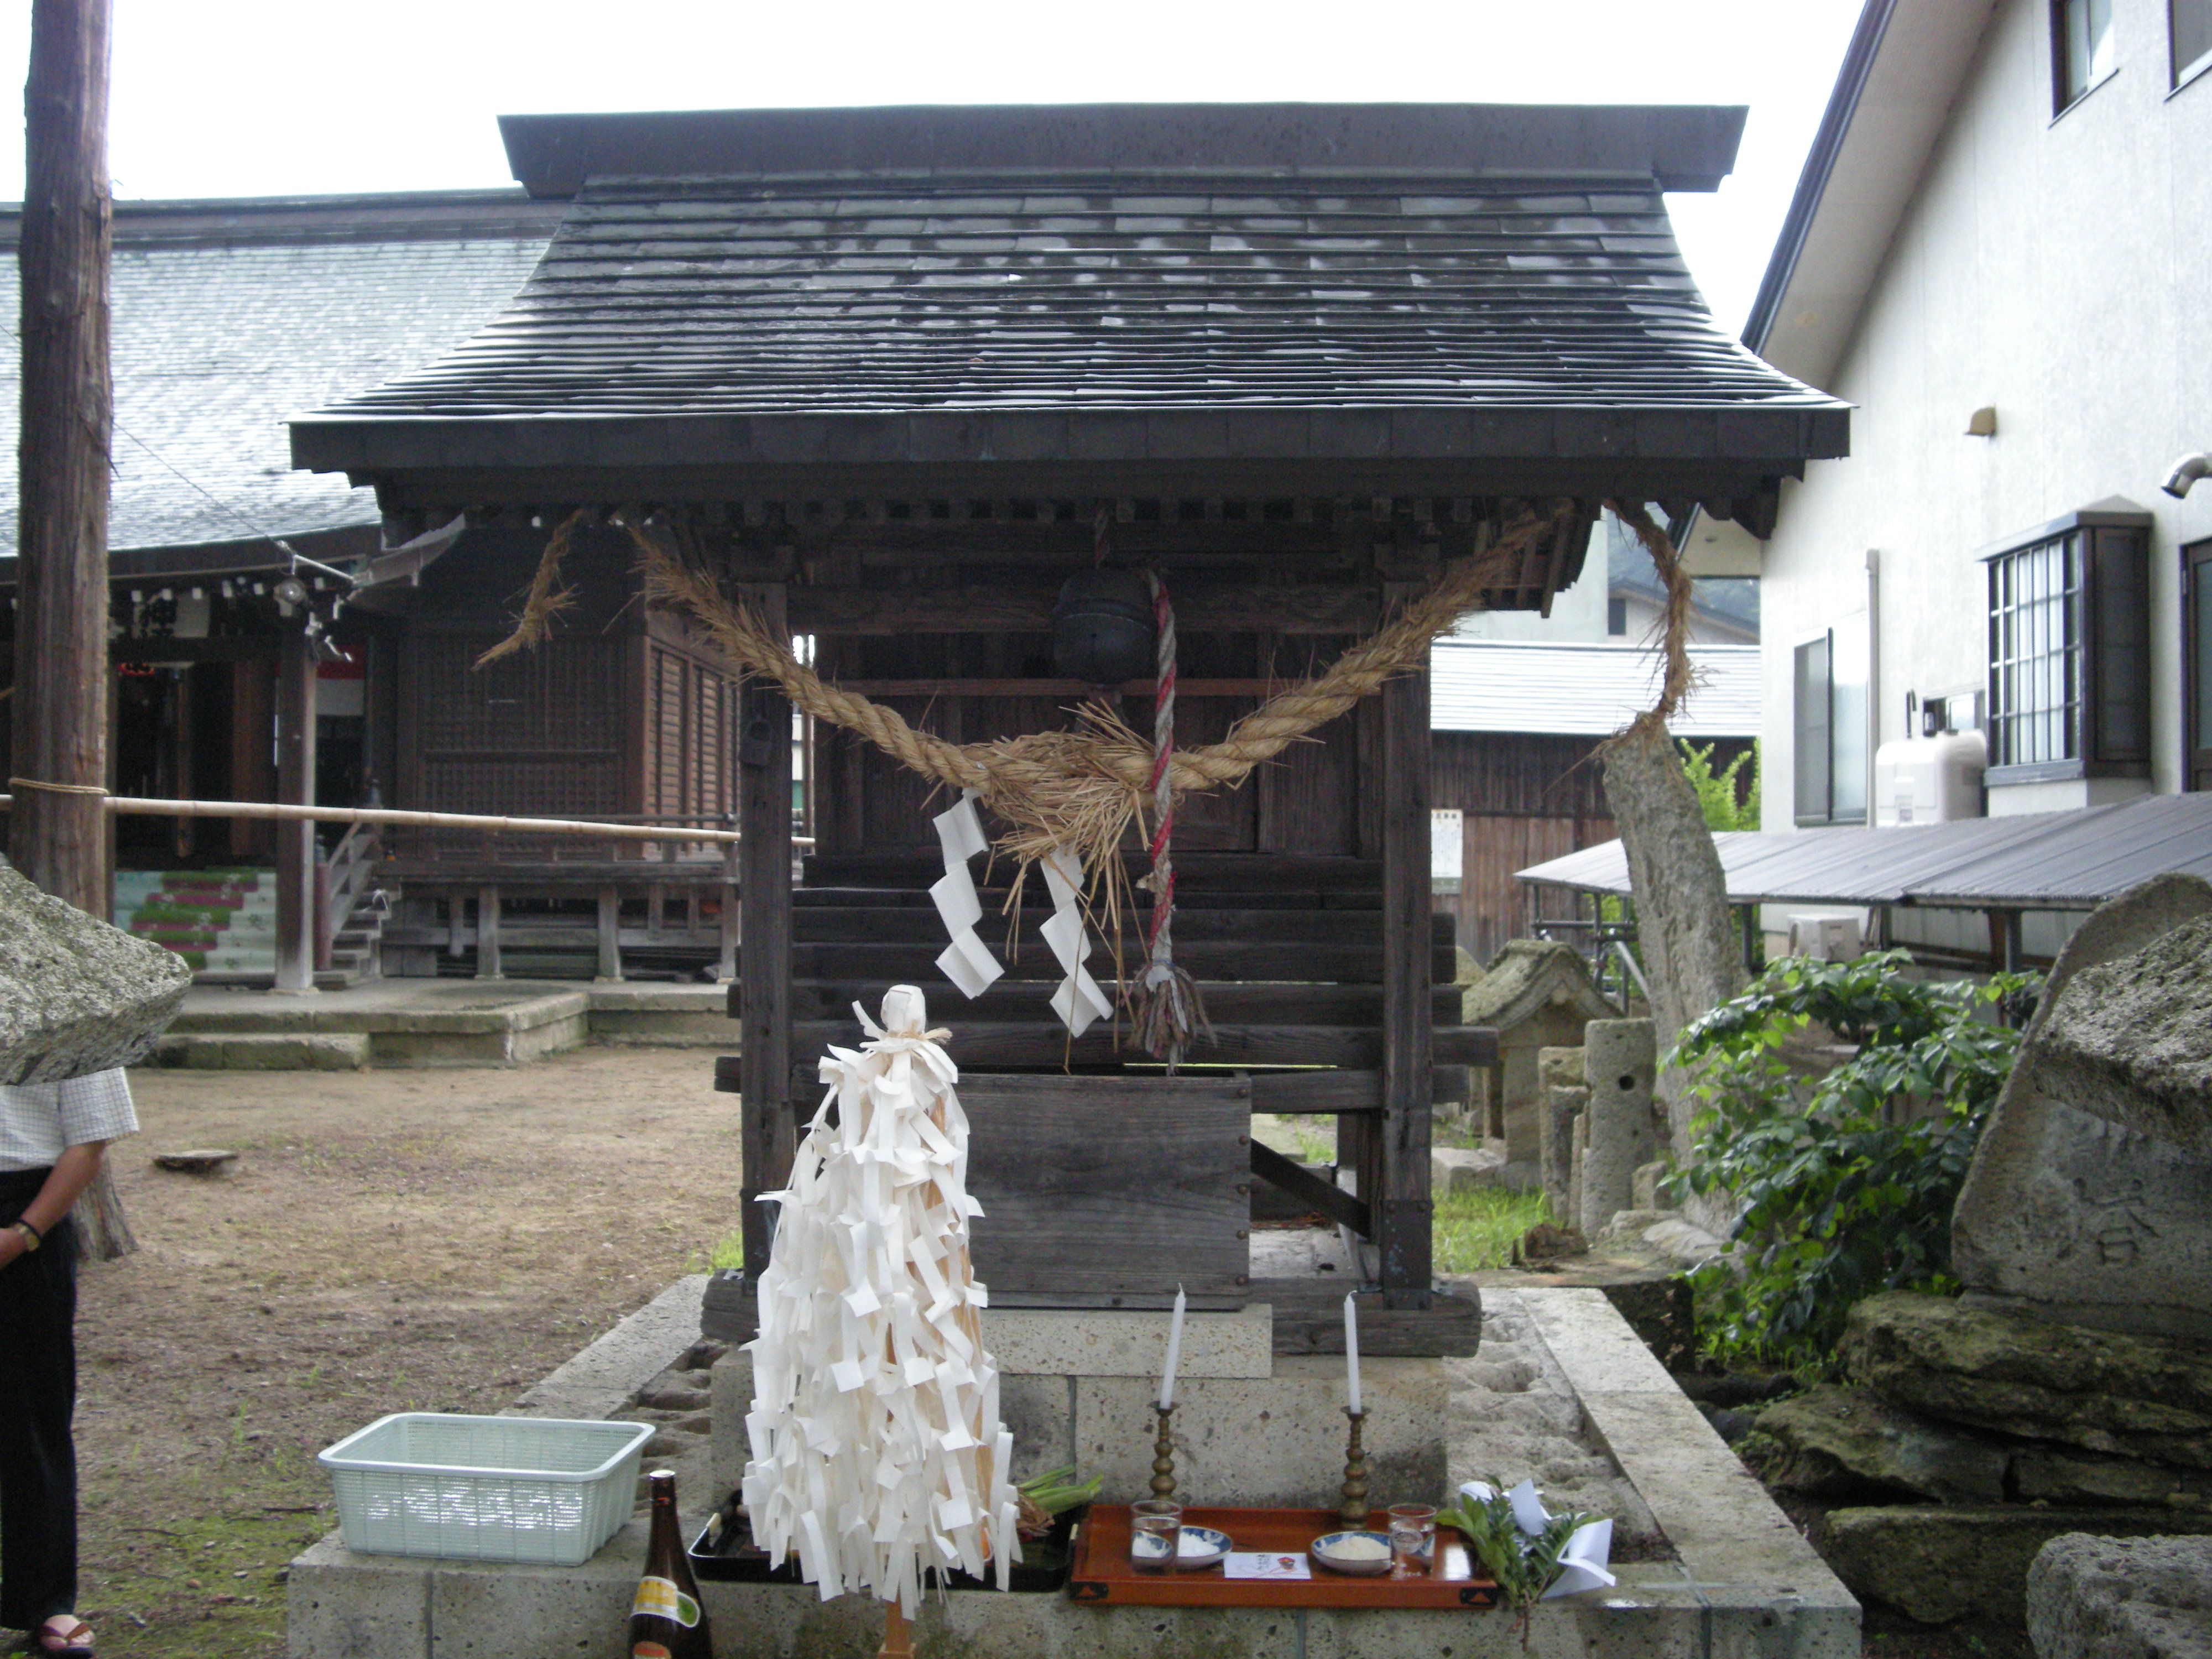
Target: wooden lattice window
(2070, 651)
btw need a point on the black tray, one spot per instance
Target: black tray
(732, 1558)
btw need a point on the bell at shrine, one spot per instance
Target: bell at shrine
(1102, 628)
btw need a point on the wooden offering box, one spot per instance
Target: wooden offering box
(1103, 1573)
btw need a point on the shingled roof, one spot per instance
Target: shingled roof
(230, 316)
(1122, 283)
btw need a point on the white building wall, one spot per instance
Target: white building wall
(2060, 271)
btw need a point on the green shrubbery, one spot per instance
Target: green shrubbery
(1847, 1180)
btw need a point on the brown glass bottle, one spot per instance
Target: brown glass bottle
(666, 1620)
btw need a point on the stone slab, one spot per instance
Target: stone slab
(1724, 1526)
(1068, 1342)
(264, 1051)
(599, 1381)
(1833, 1442)
(2105, 1391)
(1268, 1442)
(1941, 1564)
(2121, 1598)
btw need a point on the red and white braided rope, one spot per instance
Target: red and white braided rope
(1162, 950)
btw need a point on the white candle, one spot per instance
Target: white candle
(1351, 1351)
(1175, 1353)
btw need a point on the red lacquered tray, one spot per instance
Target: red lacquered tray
(1103, 1573)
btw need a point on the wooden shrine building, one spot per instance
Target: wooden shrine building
(897, 374)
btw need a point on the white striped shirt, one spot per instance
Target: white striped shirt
(40, 1121)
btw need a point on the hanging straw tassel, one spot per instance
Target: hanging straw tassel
(1169, 1014)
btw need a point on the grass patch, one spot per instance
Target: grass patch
(1476, 1230)
(729, 1253)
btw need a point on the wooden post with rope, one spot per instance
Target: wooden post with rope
(57, 835)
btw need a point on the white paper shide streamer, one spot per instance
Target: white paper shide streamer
(877, 1448)
(1078, 1001)
(967, 962)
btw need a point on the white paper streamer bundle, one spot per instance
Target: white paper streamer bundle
(1583, 1564)
(967, 962)
(877, 1449)
(1078, 1001)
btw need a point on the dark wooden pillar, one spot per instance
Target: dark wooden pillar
(295, 842)
(57, 837)
(764, 945)
(1401, 1211)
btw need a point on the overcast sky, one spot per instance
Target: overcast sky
(281, 97)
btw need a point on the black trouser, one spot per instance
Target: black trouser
(38, 1395)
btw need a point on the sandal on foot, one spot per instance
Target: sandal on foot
(64, 1636)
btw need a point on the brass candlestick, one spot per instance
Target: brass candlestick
(1353, 1510)
(1164, 1482)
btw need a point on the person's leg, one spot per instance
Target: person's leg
(38, 1461)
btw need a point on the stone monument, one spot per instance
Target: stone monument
(2086, 1200)
(76, 995)
(1537, 993)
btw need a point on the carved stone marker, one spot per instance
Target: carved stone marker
(2087, 1200)
(76, 994)
(1620, 1061)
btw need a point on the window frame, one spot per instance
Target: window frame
(1834, 720)
(2062, 99)
(2179, 73)
(2108, 716)
(2196, 731)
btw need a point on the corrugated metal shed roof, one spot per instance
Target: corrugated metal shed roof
(1409, 303)
(2038, 861)
(1587, 690)
(231, 316)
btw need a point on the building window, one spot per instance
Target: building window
(2196, 648)
(2082, 48)
(1616, 618)
(2189, 27)
(1830, 695)
(2070, 651)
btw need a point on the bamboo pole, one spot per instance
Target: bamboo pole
(285, 813)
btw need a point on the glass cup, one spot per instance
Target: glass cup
(1412, 1538)
(1155, 1534)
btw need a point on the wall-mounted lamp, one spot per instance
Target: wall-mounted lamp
(1983, 422)
(2185, 472)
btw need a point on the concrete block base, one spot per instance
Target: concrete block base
(379, 1607)
(662, 1016)
(1744, 1584)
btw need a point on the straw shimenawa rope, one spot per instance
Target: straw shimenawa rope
(1680, 676)
(1081, 788)
(546, 601)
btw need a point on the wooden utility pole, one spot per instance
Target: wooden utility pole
(57, 839)
(57, 830)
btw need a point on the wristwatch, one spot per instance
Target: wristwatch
(32, 1237)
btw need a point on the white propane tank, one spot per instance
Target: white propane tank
(1930, 780)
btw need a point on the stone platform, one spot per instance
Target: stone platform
(1567, 1392)
(439, 1022)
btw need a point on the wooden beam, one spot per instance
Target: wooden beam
(59, 839)
(1307, 608)
(1402, 1202)
(764, 757)
(1309, 1190)
(1344, 1091)
(295, 840)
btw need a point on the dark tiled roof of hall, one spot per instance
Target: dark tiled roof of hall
(786, 267)
(826, 295)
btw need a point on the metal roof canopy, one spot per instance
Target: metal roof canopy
(2072, 860)
(1395, 298)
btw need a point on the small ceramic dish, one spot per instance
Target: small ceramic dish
(1197, 1546)
(1330, 1550)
